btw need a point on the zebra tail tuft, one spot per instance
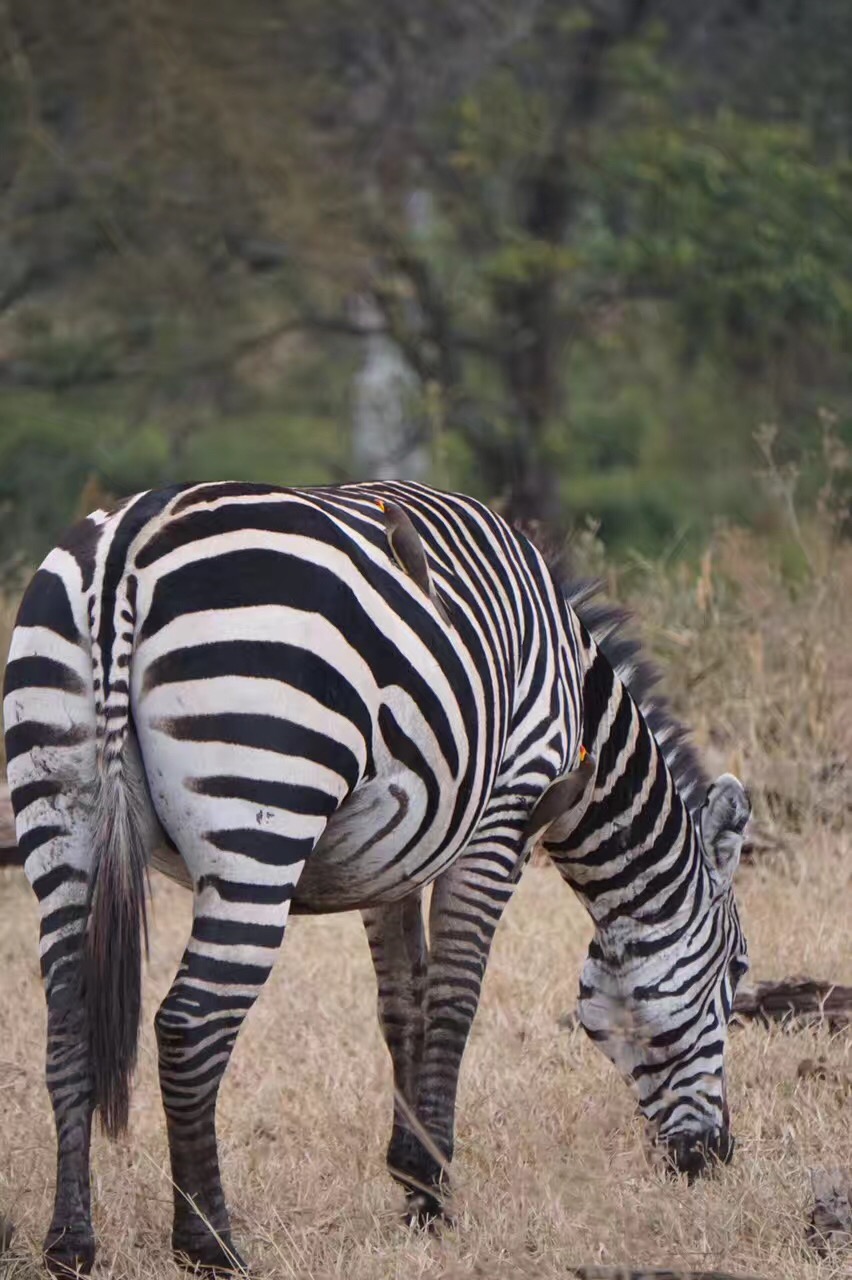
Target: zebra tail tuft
(112, 971)
(113, 964)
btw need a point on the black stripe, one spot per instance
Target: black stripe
(62, 949)
(31, 791)
(635, 773)
(262, 517)
(640, 827)
(44, 885)
(41, 673)
(262, 846)
(240, 891)
(406, 751)
(476, 621)
(616, 739)
(668, 908)
(240, 579)
(273, 795)
(36, 837)
(136, 516)
(266, 733)
(665, 1039)
(220, 1025)
(236, 933)
(597, 690)
(62, 916)
(81, 541)
(265, 660)
(227, 489)
(46, 604)
(643, 862)
(224, 972)
(669, 1065)
(643, 946)
(34, 733)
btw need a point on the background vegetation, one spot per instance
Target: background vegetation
(598, 244)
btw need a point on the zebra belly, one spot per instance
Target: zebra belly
(360, 860)
(372, 851)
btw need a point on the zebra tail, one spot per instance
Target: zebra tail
(117, 913)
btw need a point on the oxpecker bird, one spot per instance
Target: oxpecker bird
(407, 550)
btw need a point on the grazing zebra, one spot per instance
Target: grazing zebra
(324, 699)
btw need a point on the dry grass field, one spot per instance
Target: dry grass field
(552, 1169)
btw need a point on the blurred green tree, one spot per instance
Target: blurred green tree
(608, 237)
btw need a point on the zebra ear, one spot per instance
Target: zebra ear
(558, 810)
(722, 824)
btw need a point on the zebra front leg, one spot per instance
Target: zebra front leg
(237, 929)
(400, 956)
(467, 903)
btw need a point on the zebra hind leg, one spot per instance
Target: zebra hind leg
(69, 1246)
(400, 957)
(53, 834)
(237, 929)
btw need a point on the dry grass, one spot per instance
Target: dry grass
(552, 1167)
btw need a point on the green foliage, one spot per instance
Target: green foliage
(734, 221)
(635, 249)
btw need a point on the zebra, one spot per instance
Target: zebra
(247, 687)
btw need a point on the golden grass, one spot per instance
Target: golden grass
(552, 1167)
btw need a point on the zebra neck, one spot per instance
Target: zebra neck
(633, 858)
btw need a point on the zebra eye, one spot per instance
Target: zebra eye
(739, 967)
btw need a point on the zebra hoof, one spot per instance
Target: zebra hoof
(426, 1212)
(69, 1253)
(214, 1256)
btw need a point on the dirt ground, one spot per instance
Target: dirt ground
(552, 1168)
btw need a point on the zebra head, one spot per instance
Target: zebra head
(657, 990)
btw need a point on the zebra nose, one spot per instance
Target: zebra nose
(696, 1154)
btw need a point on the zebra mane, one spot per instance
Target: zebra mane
(608, 624)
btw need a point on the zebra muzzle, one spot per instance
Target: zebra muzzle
(696, 1154)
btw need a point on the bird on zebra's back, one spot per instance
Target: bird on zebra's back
(237, 683)
(407, 548)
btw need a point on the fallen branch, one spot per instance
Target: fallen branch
(653, 1273)
(796, 1000)
(821, 1069)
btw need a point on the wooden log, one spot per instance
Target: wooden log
(652, 1273)
(821, 1069)
(799, 1000)
(829, 1228)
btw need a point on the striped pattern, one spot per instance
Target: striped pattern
(655, 875)
(243, 684)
